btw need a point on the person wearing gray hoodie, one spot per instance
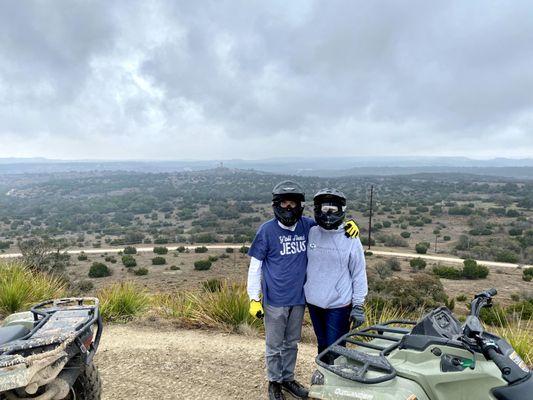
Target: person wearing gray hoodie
(336, 284)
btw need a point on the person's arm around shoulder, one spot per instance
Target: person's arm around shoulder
(357, 266)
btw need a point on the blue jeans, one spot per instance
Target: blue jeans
(329, 324)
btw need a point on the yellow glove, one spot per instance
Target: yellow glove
(351, 229)
(256, 309)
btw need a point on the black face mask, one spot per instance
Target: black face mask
(329, 220)
(287, 216)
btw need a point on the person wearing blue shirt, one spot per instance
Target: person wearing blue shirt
(276, 279)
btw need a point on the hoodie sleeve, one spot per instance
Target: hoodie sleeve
(357, 266)
(254, 279)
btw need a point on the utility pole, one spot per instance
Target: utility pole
(436, 237)
(370, 217)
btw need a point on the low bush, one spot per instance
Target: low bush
(129, 261)
(522, 310)
(122, 301)
(130, 250)
(160, 250)
(394, 264)
(181, 249)
(83, 286)
(405, 234)
(417, 263)
(244, 249)
(99, 270)
(392, 240)
(422, 291)
(229, 249)
(443, 271)
(422, 247)
(201, 249)
(461, 297)
(471, 270)
(494, 316)
(383, 270)
(140, 271)
(446, 238)
(174, 268)
(82, 256)
(202, 265)
(527, 274)
(21, 288)
(212, 258)
(159, 261)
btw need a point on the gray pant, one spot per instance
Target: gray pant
(283, 330)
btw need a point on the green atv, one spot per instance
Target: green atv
(433, 359)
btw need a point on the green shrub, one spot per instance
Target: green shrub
(405, 234)
(515, 232)
(202, 265)
(129, 261)
(387, 224)
(212, 285)
(201, 249)
(443, 271)
(392, 240)
(229, 249)
(84, 286)
(82, 256)
(244, 249)
(422, 247)
(506, 256)
(159, 261)
(21, 288)
(417, 263)
(394, 264)
(130, 250)
(383, 270)
(160, 250)
(181, 249)
(212, 258)
(471, 270)
(99, 270)
(515, 297)
(140, 271)
(368, 253)
(446, 238)
(461, 297)
(527, 274)
(523, 309)
(122, 301)
(494, 316)
(174, 268)
(422, 291)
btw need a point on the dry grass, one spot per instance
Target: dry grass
(21, 288)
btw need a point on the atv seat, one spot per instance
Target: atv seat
(13, 332)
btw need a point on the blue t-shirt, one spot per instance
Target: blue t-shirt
(284, 257)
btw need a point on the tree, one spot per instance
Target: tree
(417, 263)
(45, 255)
(202, 265)
(471, 270)
(129, 261)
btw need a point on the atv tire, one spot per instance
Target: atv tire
(88, 386)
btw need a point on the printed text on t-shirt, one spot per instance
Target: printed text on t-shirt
(292, 244)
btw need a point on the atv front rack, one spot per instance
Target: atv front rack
(360, 363)
(59, 321)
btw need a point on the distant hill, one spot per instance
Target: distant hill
(327, 166)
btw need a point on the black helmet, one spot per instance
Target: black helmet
(330, 208)
(288, 190)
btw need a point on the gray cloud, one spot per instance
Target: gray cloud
(164, 79)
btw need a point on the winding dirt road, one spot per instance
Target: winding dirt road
(151, 363)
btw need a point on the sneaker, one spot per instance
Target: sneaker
(274, 391)
(296, 389)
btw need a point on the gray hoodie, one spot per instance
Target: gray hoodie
(336, 269)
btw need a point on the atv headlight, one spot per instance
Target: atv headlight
(317, 378)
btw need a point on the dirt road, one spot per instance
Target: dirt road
(386, 253)
(149, 363)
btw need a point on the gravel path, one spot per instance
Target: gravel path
(147, 363)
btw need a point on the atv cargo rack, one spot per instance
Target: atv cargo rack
(376, 338)
(59, 321)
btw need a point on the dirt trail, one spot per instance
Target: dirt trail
(148, 363)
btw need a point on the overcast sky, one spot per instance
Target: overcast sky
(257, 79)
